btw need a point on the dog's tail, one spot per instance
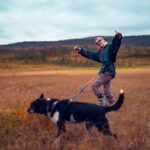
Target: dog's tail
(118, 104)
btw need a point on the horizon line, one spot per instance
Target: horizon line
(5, 44)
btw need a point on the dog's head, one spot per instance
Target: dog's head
(39, 106)
(42, 105)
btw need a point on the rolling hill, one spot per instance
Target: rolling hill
(140, 40)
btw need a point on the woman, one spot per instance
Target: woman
(107, 56)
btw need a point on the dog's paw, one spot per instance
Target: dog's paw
(57, 141)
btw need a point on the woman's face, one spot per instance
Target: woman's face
(100, 43)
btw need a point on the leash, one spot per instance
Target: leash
(84, 87)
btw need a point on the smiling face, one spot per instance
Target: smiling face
(100, 42)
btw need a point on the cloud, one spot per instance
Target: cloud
(45, 20)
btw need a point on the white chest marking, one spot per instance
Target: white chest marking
(55, 117)
(48, 99)
(72, 120)
(49, 114)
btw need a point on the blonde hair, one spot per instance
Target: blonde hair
(98, 39)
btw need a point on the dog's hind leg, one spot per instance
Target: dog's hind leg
(104, 128)
(64, 128)
(88, 127)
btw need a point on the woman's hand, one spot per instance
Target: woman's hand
(77, 48)
(118, 33)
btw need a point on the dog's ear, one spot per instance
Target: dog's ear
(42, 95)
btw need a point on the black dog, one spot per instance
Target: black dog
(65, 111)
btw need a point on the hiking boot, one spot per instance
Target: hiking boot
(102, 99)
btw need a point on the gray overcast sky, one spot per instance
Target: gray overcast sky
(49, 20)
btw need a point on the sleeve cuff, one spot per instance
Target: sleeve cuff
(79, 51)
(119, 37)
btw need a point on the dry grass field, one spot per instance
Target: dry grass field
(19, 130)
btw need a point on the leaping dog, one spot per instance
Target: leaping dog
(66, 111)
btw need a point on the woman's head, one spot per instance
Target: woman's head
(100, 42)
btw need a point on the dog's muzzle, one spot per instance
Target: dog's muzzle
(30, 111)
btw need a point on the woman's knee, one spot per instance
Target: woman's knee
(106, 92)
(94, 87)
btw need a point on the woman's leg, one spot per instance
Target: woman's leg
(103, 78)
(107, 90)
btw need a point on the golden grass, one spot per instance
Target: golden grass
(19, 130)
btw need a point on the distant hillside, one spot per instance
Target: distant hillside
(134, 51)
(142, 40)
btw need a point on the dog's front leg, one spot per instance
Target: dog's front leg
(88, 129)
(59, 134)
(57, 140)
(61, 127)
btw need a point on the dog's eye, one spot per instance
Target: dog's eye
(36, 103)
